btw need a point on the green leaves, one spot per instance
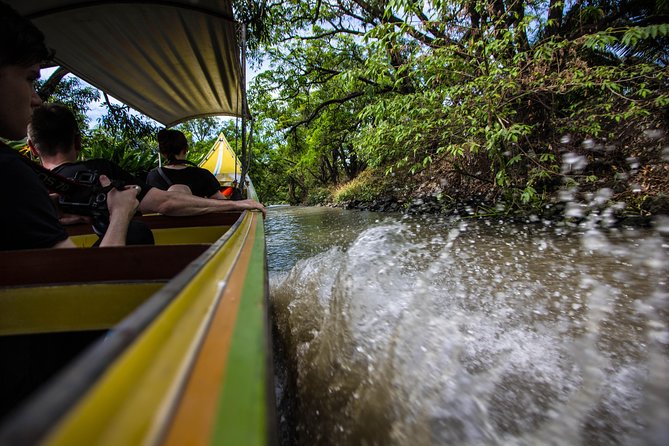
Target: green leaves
(406, 86)
(529, 194)
(600, 41)
(634, 34)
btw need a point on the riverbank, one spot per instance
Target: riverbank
(613, 197)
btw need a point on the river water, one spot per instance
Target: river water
(398, 330)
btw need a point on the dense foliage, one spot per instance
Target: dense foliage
(489, 96)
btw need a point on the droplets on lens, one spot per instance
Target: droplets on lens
(572, 162)
(662, 224)
(653, 134)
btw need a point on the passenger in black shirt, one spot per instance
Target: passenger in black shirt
(173, 145)
(53, 136)
(30, 219)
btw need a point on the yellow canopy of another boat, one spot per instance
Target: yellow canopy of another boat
(222, 161)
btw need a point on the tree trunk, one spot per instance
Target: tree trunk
(555, 11)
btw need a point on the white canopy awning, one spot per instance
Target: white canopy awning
(171, 60)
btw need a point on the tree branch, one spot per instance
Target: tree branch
(50, 85)
(325, 104)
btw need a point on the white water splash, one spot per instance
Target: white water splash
(413, 337)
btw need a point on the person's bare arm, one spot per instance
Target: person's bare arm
(178, 204)
(122, 205)
(67, 243)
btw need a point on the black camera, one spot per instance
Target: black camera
(89, 199)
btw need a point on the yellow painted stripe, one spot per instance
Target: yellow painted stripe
(85, 240)
(69, 307)
(168, 236)
(193, 421)
(129, 404)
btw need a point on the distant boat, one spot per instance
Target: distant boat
(164, 344)
(222, 161)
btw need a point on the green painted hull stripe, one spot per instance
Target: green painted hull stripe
(242, 413)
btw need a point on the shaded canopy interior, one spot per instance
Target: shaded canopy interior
(170, 60)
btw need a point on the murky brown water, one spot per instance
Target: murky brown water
(421, 331)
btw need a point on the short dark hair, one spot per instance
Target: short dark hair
(53, 128)
(171, 143)
(21, 43)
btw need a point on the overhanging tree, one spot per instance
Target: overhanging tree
(498, 82)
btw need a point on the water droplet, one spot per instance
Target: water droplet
(603, 195)
(662, 224)
(573, 162)
(595, 240)
(588, 143)
(660, 336)
(566, 194)
(653, 133)
(573, 210)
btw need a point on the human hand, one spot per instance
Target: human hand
(252, 204)
(121, 202)
(73, 219)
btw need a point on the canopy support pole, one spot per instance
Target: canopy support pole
(245, 166)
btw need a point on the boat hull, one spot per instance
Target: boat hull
(182, 357)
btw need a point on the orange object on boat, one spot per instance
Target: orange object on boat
(227, 192)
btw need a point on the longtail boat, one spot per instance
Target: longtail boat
(164, 344)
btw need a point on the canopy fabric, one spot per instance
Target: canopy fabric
(170, 60)
(222, 161)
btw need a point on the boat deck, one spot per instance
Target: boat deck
(101, 323)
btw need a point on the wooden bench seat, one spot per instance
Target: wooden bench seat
(126, 263)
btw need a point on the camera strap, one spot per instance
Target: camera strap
(164, 176)
(54, 182)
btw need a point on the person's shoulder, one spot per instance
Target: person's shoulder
(100, 164)
(15, 170)
(203, 171)
(153, 173)
(109, 168)
(8, 154)
(69, 169)
(5, 149)
(13, 163)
